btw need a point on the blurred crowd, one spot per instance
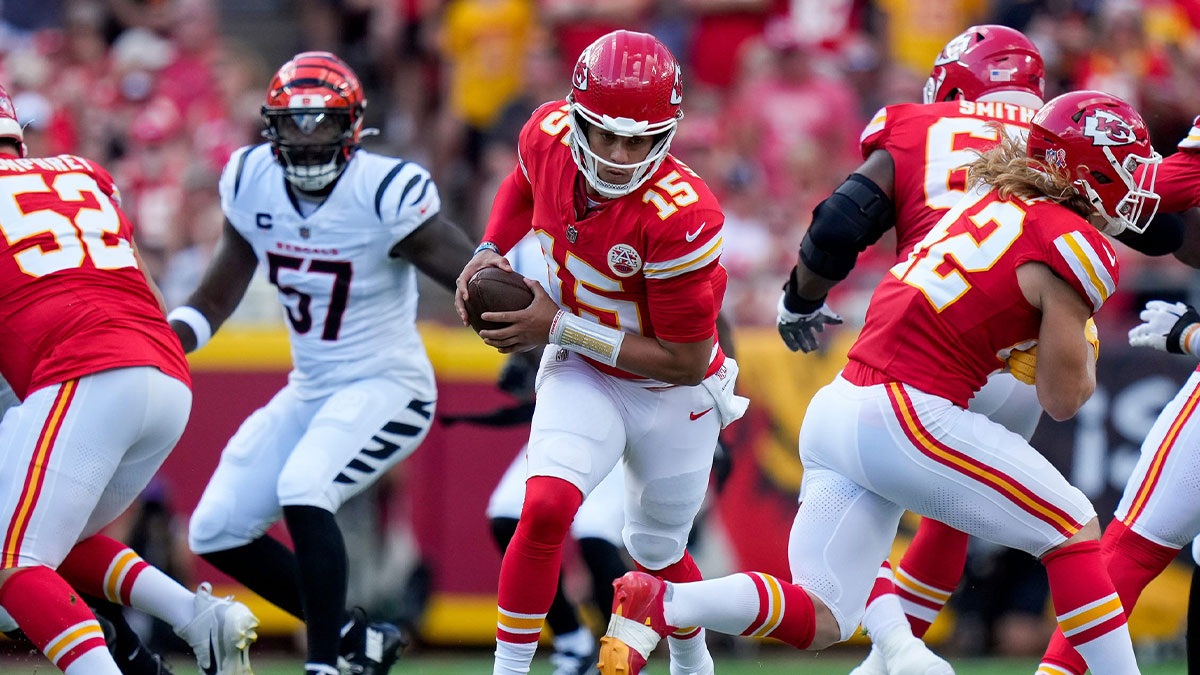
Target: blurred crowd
(776, 94)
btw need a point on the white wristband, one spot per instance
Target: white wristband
(194, 320)
(1188, 339)
(588, 338)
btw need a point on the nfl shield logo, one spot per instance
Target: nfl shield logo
(305, 232)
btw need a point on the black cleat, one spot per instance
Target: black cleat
(138, 659)
(370, 647)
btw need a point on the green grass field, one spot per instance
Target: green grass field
(478, 662)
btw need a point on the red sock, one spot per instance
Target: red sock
(1133, 562)
(883, 583)
(530, 569)
(1077, 580)
(929, 572)
(682, 571)
(103, 567)
(52, 615)
(794, 622)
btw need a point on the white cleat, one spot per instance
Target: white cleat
(220, 633)
(874, 664)
(914, 658)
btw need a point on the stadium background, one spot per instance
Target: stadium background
(160, 91)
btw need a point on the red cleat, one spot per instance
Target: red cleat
(636, 626)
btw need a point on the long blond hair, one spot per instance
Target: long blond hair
(1011, 173)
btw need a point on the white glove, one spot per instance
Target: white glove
(799, 331)
(1168, 327)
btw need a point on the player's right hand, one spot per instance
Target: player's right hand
(482, 259)
(1168, 327)
(1022, 363)
(799, 331)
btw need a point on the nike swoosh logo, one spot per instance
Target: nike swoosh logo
(212, 659)
(1112, 258)
(702, 413)
(691, 236)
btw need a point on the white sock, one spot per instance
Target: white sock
(160, 596)
(885, 622)
(688, 655)
(726, 604)
(1110, 654)
(513, 658)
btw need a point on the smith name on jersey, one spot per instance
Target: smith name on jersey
(930, 146)
(350, 307)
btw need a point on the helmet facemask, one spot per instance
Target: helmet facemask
(1129, 212)
(590, 163)
(312, 144)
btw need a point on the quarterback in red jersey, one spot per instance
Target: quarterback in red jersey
(105, 394)
(631, 369)
(1016, 261)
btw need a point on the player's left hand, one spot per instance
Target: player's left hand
(799, 331)
(1166, 326)
(528, 328)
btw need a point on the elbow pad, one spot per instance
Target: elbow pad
(1163, 236)
(848, 221)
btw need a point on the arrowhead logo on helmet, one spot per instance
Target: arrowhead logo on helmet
(1105, 128)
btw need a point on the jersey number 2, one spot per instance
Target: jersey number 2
(936, 265)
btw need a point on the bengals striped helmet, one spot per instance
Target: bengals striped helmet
(313, 118)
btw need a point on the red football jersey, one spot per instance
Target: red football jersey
(949, 314)
(74, 301)
(931, 146)
(1178, 180)
(645, 263)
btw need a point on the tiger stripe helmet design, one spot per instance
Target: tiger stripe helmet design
(313, 118)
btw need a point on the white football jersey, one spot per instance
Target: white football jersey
(350, 308)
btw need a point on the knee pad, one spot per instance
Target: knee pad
(653, 550)
(208, 529)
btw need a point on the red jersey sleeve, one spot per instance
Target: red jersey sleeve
(685, 284)
(875, 134)
(1086, 261)
(511, 216)
(1178, 180)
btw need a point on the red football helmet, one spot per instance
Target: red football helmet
(9, 126)
(986, 60)
(628, 84)
(1100, 143)
(313, 118)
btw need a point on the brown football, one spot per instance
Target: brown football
(492, 289)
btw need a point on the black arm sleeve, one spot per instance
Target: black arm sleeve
(848, 221)
(1163, 236)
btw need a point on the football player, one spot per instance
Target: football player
(914, 171)
(102, 394)
(631, 368)
(342, 233)
(1016, 260)
(1158, 513)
